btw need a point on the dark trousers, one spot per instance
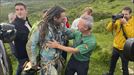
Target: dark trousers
(81, 67)
(20, 65)
(115, 55)
(64, 55)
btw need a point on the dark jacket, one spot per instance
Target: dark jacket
(21, 38)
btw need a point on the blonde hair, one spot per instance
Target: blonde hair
(88, 10)
(11, 17)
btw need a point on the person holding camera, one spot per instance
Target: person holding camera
(23, 27)
(123, 25)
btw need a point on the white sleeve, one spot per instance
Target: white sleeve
(75, 23)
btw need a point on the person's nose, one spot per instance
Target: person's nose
(18, 11)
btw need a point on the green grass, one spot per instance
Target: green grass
(11, 56)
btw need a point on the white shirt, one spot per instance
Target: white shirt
(75, 23)
(28, 26)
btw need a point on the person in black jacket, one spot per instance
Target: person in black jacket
(23, 28)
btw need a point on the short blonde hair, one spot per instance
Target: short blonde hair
(11, 17)
(88, 10)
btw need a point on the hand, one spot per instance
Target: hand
(28, 66)
(123, 21)
(53, 44)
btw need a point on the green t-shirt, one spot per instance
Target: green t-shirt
(85, 45)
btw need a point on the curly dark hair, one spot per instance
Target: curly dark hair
(48, 21)
(128, 9)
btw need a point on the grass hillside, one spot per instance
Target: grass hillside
(103, 10)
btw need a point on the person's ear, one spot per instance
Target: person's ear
(55, 18)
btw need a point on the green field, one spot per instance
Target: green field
(103, 10)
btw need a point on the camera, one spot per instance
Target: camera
(118, 16)
(7, 32)
(7, 35)
(129, 49)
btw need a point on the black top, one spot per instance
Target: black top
(21, 38)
